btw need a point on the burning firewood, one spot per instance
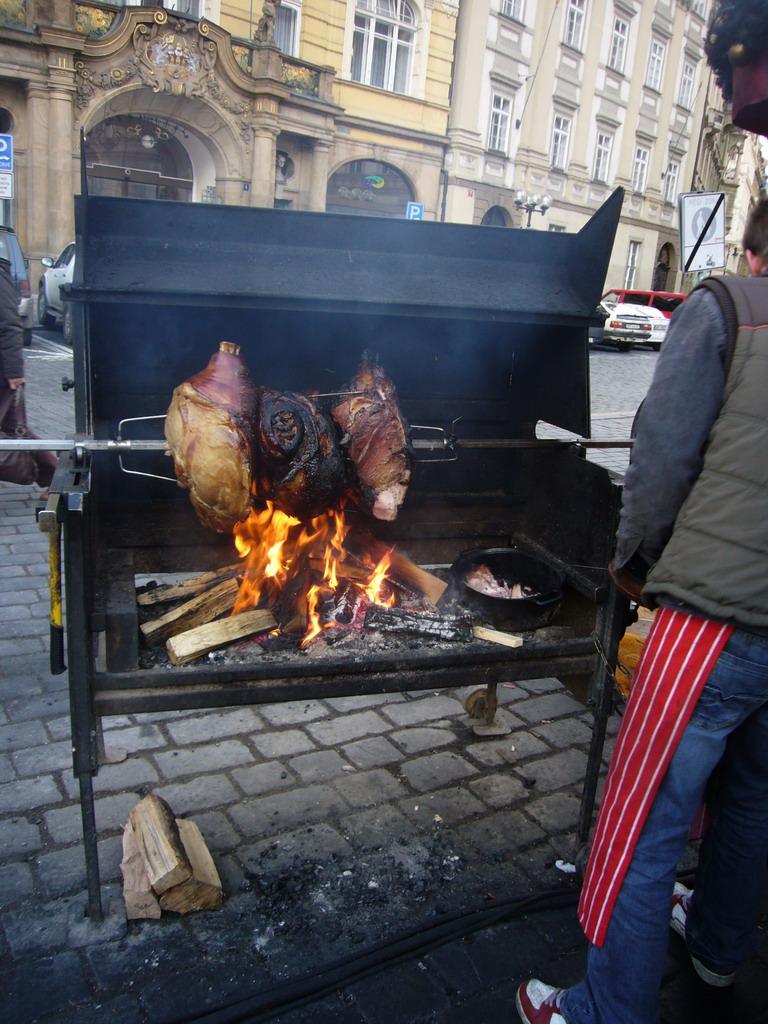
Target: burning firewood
(400, 620)
(166, 592)
(194, 643)
(401, 567)
(201, 609)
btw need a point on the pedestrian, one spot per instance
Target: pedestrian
(12, 374)
(692, 542)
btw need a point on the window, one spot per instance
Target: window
(633, 259)
(655, 65)
(382, 44)
(618, 53)
(685, 97)
(512, 9)
(640, 169)
(370, 188)
(561, 134)
(559, 228)
(602, 157)
(498, 130)
(574, 26)
(286, 28)
(699, 7)
(670, 181)
(184, 7)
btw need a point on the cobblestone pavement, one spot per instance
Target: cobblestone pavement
(335, 824)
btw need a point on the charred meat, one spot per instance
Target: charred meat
(377, 438)
(209, 430)
(301, 466)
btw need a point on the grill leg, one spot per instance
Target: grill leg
(87, 810)
(610, 628)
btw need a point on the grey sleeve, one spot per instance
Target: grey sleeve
(682, 404)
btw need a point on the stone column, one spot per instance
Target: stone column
(318, 178)
(263, 166)
(35, 232)
(61, 183)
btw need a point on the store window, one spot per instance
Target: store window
(383, 43)
(369, 188)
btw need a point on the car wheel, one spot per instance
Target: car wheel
(44, 316)
(655, 345)
(27, 337)
(624, 346)
(67, 327)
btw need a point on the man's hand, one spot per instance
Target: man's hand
(15, 382)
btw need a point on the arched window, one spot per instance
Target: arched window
(495, 217)
(138, 157)
(368, 187)
(382, 44)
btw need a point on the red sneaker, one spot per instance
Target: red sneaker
(681, 901)
(538, 1003)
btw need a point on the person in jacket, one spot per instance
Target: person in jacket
(12, 367)
(692, 542)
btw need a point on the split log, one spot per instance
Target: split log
(399, 620)
(194, 643)
(496, 636)
(166, 592)
(138, 895)
(217, 601)
(412, 575)
(159, 843)
(203, 890)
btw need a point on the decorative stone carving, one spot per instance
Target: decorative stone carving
(177, 58)
(265, 30)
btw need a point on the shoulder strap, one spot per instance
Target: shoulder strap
(721, 291)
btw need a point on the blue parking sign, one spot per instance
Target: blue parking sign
(414, 211)
(6, 152)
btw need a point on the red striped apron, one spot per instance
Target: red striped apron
(678, 656)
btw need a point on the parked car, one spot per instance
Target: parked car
(11, 250)
(665, 302)
(50, 302)
(624, 326)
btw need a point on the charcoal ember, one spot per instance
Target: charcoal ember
(400, 620)
(301, 466)
(209, 430)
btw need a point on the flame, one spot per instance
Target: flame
(281, 552)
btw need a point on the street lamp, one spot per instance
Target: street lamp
(532, 204)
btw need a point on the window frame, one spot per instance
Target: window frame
(576, 15)
(669, 192)
(559, 133)
(602, 161)
(654, 72)
(497, 118)
(633, 262)
(637, 163)
(616, 36)
(687, 83)
(294, 6)
(399, 40)
(514, 9)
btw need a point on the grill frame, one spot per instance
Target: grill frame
(475, 283)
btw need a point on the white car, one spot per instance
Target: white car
(628, 324)
(50, 303)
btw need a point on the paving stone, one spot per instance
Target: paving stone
(415, 741)
(200, 988)
(283, 744)
(377, 827)
(559, 811)
(561, 769)
(372, 752)
(404, 992)
(123, 1009)
(281, 854)
(65, 823)
(42, 705)
(30, 991)
(135, 773)
(211, 726)
(208, 758)
(63, 871)
(446, 806)
(362, 700)
(319, 766)
(425, 709)
(506, 750)
(565, 733)
(436, 770)
(347, 728)
(36, 930)
(7, 771)
(152, 950)
(34, 760)
(18, 836)
(16, 883)
(20, 735)
(138, 737)
(498, 835)
(545, 685)
(17, 684)
(541, 709)
(272, 814)
(293, 712)
(59, 728)
(364, 789)
(216, 830)
(263, 778)
(201, 793)
(25, 794)
(499, 790)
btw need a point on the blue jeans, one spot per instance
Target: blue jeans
(728, 731)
